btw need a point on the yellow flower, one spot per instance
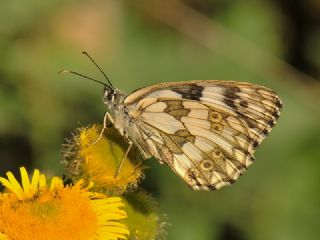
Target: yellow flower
(98, 161)
(35, 210)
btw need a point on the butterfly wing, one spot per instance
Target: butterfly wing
(206, 131)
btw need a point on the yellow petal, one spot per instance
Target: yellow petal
(42, 181)
(56, 182)
(35, 178)
(3, 237)
(25, 179)
(14, 185)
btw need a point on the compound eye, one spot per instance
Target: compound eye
(108, 93)
(110, 96)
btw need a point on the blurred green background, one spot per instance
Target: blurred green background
(142, 42)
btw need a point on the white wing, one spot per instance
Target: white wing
(206, 131)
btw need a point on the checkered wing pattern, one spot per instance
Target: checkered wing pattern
(206, 131)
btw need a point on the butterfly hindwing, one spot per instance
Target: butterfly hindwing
(206, 131)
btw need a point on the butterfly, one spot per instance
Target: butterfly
(206, 131)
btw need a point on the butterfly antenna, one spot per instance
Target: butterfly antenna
(81, 75)
(103, 73)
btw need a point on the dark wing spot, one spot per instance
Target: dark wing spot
(244, 103)
(265, 131)
(232, 181)
(279, 103)
(271, 122)
(276, 114)
(230, 103)
(230, 95)
(231, 92)
(192, 91)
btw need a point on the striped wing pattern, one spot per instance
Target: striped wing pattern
(206, 131)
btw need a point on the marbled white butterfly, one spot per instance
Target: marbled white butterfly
(206, 131)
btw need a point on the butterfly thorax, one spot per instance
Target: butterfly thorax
(124, 122)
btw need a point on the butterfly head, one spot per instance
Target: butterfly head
(112, 96)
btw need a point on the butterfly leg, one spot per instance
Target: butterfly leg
(107, 118)
(125, 155)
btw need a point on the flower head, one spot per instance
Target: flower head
(35, 210)
(98, 161)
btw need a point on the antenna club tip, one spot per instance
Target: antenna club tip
(84, 52)
(63, 71)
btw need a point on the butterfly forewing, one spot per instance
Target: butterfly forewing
(206, 131)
